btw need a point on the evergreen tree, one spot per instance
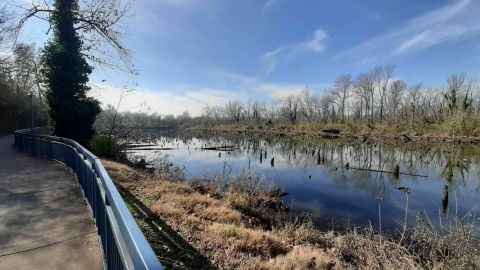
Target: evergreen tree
(65, 74)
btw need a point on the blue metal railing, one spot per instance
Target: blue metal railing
(123, 244)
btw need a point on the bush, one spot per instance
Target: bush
(106, 147)
(463, 123)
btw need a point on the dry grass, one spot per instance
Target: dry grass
(239, 227)
(303, 257)
(369, 250)
(455, 246)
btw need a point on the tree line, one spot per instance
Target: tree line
(373, 98)
(112, 121)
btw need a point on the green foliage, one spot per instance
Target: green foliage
(232, 233)
(65, 73)
(457, 85)
(106, 147)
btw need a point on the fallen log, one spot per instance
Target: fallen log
(332, 130)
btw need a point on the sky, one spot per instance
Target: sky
(193, 53)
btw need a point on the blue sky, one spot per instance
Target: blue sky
(191, 53)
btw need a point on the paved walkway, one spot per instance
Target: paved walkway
(44, 223)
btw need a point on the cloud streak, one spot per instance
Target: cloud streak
(268, 4)
(316, 44)
(450, 23)
(269, 91)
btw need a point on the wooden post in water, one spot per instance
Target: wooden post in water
(272, 162)
(445, 199)
(396, 170)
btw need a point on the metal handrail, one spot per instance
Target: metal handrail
(123, 244)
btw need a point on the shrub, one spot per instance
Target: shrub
(463, 123)
(106, 147)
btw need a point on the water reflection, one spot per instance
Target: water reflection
(338, 180)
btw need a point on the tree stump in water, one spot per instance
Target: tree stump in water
(396, 170)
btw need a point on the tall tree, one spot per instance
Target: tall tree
(65, 74)
(386, 73)
(343, 84)
(394, 98)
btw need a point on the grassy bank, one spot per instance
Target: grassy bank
(451, 131)
(242, 225)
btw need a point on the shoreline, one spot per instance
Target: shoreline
(359, 136)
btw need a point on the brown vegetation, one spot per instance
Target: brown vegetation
(240, 227)
(355, 132)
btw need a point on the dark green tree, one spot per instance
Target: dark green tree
(457, 85)
(65, 74)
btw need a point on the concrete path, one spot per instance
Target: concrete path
(44, 222)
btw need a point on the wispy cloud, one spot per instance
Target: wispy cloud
(269, 3)
(316, 43)
(269, 59)
(268, 90)
(278, 91)
(450, 23)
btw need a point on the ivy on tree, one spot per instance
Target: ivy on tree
(65, 74)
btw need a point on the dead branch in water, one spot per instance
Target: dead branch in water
(220, 148)
(400, 173)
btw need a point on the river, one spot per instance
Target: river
(338, 182)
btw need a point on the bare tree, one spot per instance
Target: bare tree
(289, 108)
(343, 85)
(432, 106)
(257, 110)
(385, 74)
(25, 68)
(234, 110)
(309, 105)
(98, 23)
(394, 97)
(328, 109)
(414, 99)
(366, 91)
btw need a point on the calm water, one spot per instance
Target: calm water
(314, 173)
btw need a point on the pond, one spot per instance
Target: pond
(336, 181)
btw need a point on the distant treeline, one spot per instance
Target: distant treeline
(112, 121)
(375, 98)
